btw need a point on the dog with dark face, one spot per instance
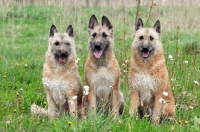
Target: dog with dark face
(61, 79)
(102, 72)
(148, 76)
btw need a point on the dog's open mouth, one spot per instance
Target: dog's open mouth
(98, 53)
(62, 59)
(145, 55)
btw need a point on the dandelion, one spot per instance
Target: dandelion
(186, 122)
(22, 58)
(16, 64)
(26, 65)
(14, 111)
(71, 102)
(17, 94)
(170, 57)
(74, 97)
(69, 123)
(45, 103)
(6, 72)
(21, 89)
(179, 121)
(186, 62)
(4, 76)
(196, 82)
(165, 93)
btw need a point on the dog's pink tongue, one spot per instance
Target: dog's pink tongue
(98, 54)
(145, 54)
(62, 59)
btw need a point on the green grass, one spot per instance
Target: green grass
(24, 39)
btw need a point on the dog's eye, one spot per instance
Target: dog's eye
(151, 38)
(141, 37)
(104, 34)
(94, 35)
(67, 43)
(57, 43)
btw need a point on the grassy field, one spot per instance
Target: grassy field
(24, 39)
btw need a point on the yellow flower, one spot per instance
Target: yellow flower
(45, 103)
(4, 76)
(186, 122)
(69, 123)
(15, 111)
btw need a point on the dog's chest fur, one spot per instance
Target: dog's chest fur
(146, 85)
(101, 81)
(58, 85)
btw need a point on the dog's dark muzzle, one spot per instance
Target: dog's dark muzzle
(98, 46)
(145, 48)
(63, 54)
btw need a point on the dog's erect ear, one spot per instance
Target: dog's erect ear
(106, 22)
(70, 31)
(93, 22)
(139, 24)
(157, 26)
(53, 30)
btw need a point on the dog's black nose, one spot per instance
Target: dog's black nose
(145, 48)
(63, 53)
(97, 46)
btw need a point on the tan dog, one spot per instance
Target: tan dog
(61, 79)
(148, 76)
(102, 72)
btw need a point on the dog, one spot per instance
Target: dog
(148, 76)
(61, 78)
(102, 72)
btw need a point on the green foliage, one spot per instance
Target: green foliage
(24, 40)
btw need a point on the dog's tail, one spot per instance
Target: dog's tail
(35, 109)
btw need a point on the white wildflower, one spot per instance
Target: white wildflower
(21, 89)
(170, 57)
(165, 93)
(74, 97)
(77, 60)
(86, 92)
(196, 82)
(86, 87)
(26, 65)
(161, 100)
(126, 61)
(71, 102)
(184, 92)
(46, 84)
(186, 62)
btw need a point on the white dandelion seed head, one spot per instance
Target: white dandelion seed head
(74, 97)
(86, 88)
(196, 82)
(165, 93)
(186, 62)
